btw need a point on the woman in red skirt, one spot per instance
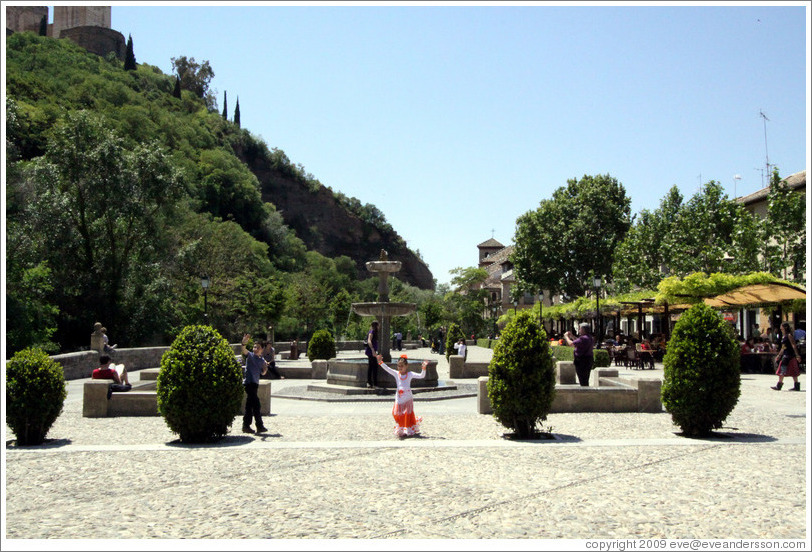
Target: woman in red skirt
(787, 360)
(403, 411)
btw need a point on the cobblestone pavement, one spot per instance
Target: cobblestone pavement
(336, 471)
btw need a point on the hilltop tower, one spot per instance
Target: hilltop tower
(68, 17)
(87, 26)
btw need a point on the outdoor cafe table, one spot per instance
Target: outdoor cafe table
(758, 363)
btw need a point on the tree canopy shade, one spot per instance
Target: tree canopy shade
(570, 238)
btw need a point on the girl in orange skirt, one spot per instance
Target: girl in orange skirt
(403, 411)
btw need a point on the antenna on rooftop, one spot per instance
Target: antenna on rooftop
(766, 152)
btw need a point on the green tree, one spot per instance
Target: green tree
(711, 234)
(571, 237)
(194, 77)
(225, 105)
(129, 58)
(176, 89)
(43, 26)
(237, 113)
(307, 301)
(784, 231)
(98, 203)
(640, 259)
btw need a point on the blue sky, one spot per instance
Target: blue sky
(456, 119)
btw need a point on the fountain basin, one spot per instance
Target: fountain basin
(383, 266)
(352, 372)
(381, 310)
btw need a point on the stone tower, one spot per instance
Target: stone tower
(24, 18)
(67, 17)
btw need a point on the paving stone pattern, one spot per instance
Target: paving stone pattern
(336, 471)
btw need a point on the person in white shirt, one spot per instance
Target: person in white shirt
(403, 411)
(460, 347)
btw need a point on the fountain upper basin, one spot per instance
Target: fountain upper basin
(383, 266)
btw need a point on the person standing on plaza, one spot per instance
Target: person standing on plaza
(787, 360)
(403, 410)
(371, 351)
(583, 357)
(460, 347)
(269, 354)
(255, 366)
(399, 340)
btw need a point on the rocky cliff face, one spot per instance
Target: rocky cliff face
(329, 228)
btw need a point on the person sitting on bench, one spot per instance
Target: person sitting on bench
(115, 372)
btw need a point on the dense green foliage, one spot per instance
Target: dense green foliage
(564, 352)
(783, 237)
(712, 233)
(35, 394)
(570, 238)
(321, 346)
(452, 336)
(199, 385)
(121, 194)
(521, 376)
(701, 381)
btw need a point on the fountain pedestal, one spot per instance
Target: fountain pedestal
(352, 373)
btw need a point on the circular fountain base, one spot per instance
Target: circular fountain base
(352, 373)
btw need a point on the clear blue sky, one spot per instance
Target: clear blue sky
(454, 120)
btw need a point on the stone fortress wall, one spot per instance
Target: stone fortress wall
(87, 26)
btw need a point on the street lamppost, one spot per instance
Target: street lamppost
(597, 282)
(205, 283)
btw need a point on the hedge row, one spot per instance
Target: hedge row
(563, 352)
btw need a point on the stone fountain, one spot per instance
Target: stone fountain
(352, 373)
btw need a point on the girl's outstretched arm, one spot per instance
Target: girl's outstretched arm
(422, 373)
(386, 368)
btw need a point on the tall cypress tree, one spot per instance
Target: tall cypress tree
(43, 26)
(225, 105)
(129, 59)
(237, 113)
(176, 91)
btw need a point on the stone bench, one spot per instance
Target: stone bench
(459, 368)
(607, 393)
(142, 400)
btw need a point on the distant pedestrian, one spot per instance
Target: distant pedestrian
(583, 356)
(460, 347)
(787, 360)
(371, 351)
(255, 366)
(399, 341)
(403, 410)
(269, 355)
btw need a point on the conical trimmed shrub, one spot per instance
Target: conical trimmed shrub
(321, 346)
(35, 394)
(199, 386)
(521, 376)
(701, 377)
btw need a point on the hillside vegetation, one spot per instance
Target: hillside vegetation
(120, 196)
